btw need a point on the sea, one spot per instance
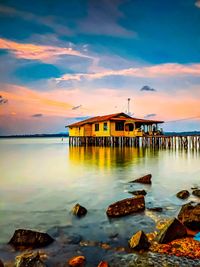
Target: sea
(41, 179)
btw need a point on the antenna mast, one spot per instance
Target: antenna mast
(129, 105)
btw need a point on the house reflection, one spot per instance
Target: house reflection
(106, 157)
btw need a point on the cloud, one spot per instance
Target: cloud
(147, 88)
(161, 70)
(103, 19)
(37, 115)
(197, 3)
(49, 21)
(3, 100)
(150, 115)
(76, 107)
(38, 52)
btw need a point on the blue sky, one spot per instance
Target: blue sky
(55, 55)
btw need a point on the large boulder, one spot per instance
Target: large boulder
(1, 263)
(79, 210)
(196, 192)
(77, 261)
(126, 206)
(138, 192)
(174, 229)
(23, 239)
(183, 194)
(189, 215)
(143, 180)
(139, 241)
(29, 260)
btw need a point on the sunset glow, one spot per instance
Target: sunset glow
(71, 62)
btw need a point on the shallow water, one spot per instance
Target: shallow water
(43, 178)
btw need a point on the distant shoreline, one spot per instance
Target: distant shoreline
(34, 135)
(67, 135)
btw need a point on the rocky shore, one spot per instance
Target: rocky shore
(171, 244)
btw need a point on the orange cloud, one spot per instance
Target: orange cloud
(24, 102)
(38, 52)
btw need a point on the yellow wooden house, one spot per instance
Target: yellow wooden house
(116, 125)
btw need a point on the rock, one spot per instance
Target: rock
(73, 239)
(189, 215)
(23, 239)
(1, 263)
(77, 261)
(143, 180)
(157, 209)
(196, 192)
(126, 206)
(139, 241)
(183, 194)
(138, 192)
(29, 260)
(103, 264)
(79, 211)
(174, 229)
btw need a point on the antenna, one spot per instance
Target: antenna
(128, 105)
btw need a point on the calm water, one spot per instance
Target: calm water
(42, 179)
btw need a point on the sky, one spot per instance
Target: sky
(63, 61)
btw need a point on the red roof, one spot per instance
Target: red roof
(111, 117)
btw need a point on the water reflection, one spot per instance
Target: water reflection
(108, 157)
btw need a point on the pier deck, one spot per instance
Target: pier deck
(160, 141)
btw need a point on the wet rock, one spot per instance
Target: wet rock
(183, 194)
(103, 264)
(139, 241)
(173, 229)
(79, 210)
(196, 192)
(189, 215)
(77, 261)
(73, 239)
(143, 180)
(1, 263)
(29, 260)
(156, 209)
(138, 192)
(23, 239)
(126, 206)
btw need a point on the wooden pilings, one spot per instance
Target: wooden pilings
(160, 141)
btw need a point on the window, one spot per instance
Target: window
(96, 127)
(119, 126)
(105, 126)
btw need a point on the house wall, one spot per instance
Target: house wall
(88, 130)
(76, 131)
(101, 131)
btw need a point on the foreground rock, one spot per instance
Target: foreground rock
(143, 180)
(174, 229)
(103, 264)
(139, 241)
(184, 247)
(77, 261)
(196, 192)
(189, 215)
(23, 239)
(29, 260)
(138, 192)
(79, 210)
(183, 194)
(126, 206)
(1, 263)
